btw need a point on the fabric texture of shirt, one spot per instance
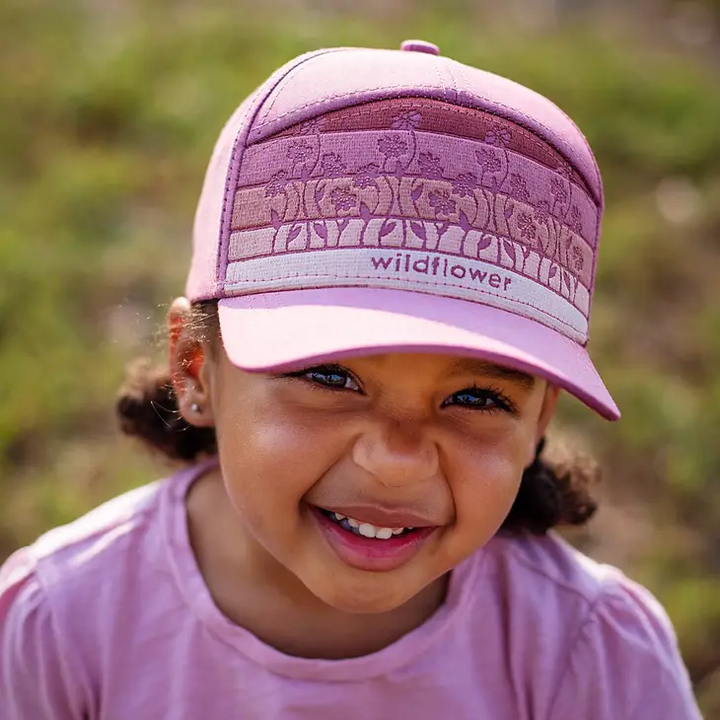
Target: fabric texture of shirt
(108, 618)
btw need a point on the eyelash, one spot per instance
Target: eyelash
(324, 370)
(489, 392)
(500, 400)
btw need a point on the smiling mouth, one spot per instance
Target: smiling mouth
(365, 529)
(375, 548)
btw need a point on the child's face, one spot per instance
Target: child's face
(435, 443)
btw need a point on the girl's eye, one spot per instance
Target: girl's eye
(329, 376)
(477, 398)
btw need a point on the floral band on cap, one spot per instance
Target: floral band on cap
(418, 194)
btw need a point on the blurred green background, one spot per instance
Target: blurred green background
(109, 113)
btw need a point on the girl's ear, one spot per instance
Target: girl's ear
(547, 411)
(190, 369)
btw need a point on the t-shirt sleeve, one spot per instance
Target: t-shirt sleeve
(35, 674)
(625, 663)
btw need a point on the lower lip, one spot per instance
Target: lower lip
(368, 553)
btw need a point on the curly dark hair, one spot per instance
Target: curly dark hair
(551, 494)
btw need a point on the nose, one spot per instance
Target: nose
(396, 453)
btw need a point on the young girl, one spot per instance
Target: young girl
(391, 280)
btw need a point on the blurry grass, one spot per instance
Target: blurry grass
(110, 114)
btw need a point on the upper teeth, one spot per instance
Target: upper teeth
(370, 531)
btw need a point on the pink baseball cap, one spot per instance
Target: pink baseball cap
(365, 201)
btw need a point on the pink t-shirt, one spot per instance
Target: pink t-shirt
(108, 618)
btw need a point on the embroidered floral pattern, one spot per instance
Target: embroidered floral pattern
(577, 258)
(464, 185)
(311, 127)
(518, 188)
(526, 226)
(487, 161)
(332, 166)
(542, 211)
(367, 175)
(276, 184)
(557, 188)
(408, 120)
(499, 136)
(299, 151)
(401, 191)
(392, 146)
(441, 202)
(429, 166)
(575, 220)
(343, 199)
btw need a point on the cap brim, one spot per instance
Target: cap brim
(286, 330)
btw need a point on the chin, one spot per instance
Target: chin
(374, 595)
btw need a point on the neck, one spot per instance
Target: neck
(255, 591)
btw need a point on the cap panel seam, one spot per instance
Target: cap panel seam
(441, 83)
(285, 80)
(453, 83)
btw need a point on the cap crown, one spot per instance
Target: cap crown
(441, 179)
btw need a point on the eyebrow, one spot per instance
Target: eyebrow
(480, 367)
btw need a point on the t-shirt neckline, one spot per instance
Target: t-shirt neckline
(191, 585)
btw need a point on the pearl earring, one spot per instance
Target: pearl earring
(195, 408)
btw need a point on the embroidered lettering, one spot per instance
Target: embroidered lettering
(478, 275)
(381, 262)
(403, 263)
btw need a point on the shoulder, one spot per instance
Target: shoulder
(552, 584)
(113, 519)
(82, 552)
(607, 646)
(97, 541)
(38, 677)
(58, 595)
(551, 575)
(65, 554)
(123, 535)
(42, 671)
(78, 546)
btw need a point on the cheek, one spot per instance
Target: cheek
(270, 459)
(485, 480)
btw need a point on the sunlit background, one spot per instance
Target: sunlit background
(109, 110)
